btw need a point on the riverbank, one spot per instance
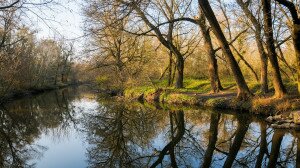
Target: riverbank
(197, 92)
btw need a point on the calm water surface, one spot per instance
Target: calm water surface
(73, 128)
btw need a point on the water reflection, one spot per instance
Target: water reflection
(119, 134)
(24, 120)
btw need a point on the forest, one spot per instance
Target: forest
(150, 83)
(248, 49)
(153, 49)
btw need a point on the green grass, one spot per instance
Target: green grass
(194, 86)
(178, 98)
(265, 104)
(136, 92)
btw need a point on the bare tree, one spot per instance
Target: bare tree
(295, 32)
(280, 90)
(259, 42)
(243, 90)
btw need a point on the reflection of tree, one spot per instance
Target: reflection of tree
(16, 132)
(179, 120)
(275, 149)
(23, 120)
(263, 144)
(129, 137)
(132, 135)
(243, 124)
(116, 135)
(298, 150)
(213, 137)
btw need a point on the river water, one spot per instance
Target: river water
(75, 128)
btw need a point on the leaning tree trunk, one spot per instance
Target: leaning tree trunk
(212, 61)
(243, 90)
(280, 90)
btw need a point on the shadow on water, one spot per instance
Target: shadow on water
(138, 135)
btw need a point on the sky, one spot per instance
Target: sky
(63, 21)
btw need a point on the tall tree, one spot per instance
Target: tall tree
(211, 54)
(160, 36)
(243, 90)
(213, 138)
(280, 90)
(295, 32)
(259, 42)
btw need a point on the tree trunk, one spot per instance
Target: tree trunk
(259, 42)
(243, 90)
(295, 33)
(264, 88)
(280, 90)
(296, 40)
(212, 61)
(170, 69)
(170, 39)
(180, 68)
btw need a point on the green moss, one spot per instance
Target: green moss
(254, 87)
(292, 87)
(190, 96)
(178, 98)
(149, 91)
(196, 84)
(163, 96)
(135, 93)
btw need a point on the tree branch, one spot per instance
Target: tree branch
(292, 8)
(10, 6)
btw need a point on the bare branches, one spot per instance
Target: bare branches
(234, 39)
(292, 8)
(10, 5)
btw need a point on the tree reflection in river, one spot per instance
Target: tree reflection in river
(16, 131)
(175, 138)
(24, 120)
(141, 135)
(118, 135)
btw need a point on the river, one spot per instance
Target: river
(75, 128)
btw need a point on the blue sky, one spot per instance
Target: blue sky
(61, 20)
(58, 21)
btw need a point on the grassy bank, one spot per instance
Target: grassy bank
(197, 92)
